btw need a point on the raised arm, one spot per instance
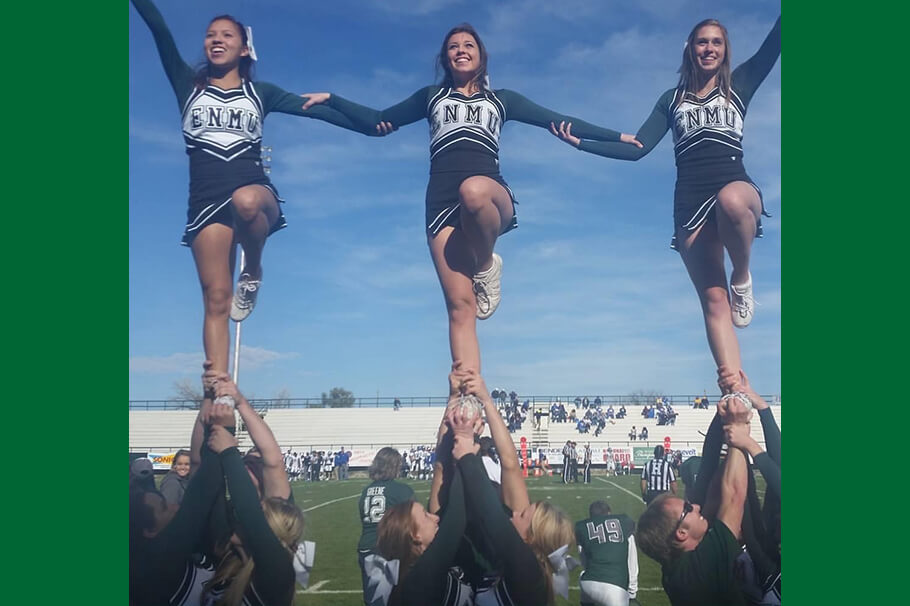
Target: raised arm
(748, 76)
(522, 109)
(274, 572)
(274, 474)
(179, 74)
(514, 490)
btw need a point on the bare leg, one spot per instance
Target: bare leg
(486, 208)
(213, 251)
(255, 211)
(703, 254)
(738, 211)
(454, 263)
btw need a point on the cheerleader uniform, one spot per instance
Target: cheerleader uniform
(707, 137)
(464, 138)
(222, 130)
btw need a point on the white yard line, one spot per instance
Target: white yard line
(314, 588)
(637, 496)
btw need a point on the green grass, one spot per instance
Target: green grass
(336, 528)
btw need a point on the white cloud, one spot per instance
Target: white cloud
(251, 358)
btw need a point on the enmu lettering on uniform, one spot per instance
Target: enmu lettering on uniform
(707, 116)
(224, 118)
(474, 114)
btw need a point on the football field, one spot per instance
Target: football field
(332, 521)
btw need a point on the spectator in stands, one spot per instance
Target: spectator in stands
(174, 483)
(396, 405)
(597, 401)
(657, 476)
(609, 556)
(697, 556)
(610, 412)
(633, 434)
(383, 493)
(621, 414)
(644, 433)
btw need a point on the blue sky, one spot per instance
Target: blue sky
(594, 301)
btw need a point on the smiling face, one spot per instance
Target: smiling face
(463, 55)
(692, 526)
(224, 44)
(182, 465)
(709, 48)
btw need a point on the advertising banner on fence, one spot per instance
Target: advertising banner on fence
(161, 460)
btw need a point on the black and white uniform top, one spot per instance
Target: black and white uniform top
(222, 130)
(658, 474)
(464, 137)
(707, 138)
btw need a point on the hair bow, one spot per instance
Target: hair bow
(382, 575)
(562, 563)
(249, 42)
(303, 562)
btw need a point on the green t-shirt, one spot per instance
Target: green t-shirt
(604, 543)
(705, 577)
(374, 500)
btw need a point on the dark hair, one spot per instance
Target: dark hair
(658, 450)
(183, 452)
(688, 70)
(203, 74)
(599, 508)
(442, 60)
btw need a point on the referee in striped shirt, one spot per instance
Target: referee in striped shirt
(657, 477)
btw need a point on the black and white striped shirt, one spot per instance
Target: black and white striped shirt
(658, 474)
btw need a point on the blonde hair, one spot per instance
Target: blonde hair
(285, 520)
(551, 528)
(688, 70)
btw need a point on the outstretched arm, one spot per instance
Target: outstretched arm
(276, 99)
(179, 74)
(646, 139)
(518, 107)
(748, 76)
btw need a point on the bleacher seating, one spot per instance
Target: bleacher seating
(329, 428)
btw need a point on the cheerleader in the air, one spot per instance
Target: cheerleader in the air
(231, 199)
(716, 205)
(468, 203)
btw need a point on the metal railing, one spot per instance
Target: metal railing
(569, 401)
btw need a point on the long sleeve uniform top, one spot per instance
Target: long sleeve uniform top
(705, 130)
(464, 130)
(222, 129)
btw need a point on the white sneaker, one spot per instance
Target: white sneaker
(743, 303)
(487, 288)
(244, 299)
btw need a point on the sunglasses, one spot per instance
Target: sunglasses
(687, 509)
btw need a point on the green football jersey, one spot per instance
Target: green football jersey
(374, 500)
(604, 544)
